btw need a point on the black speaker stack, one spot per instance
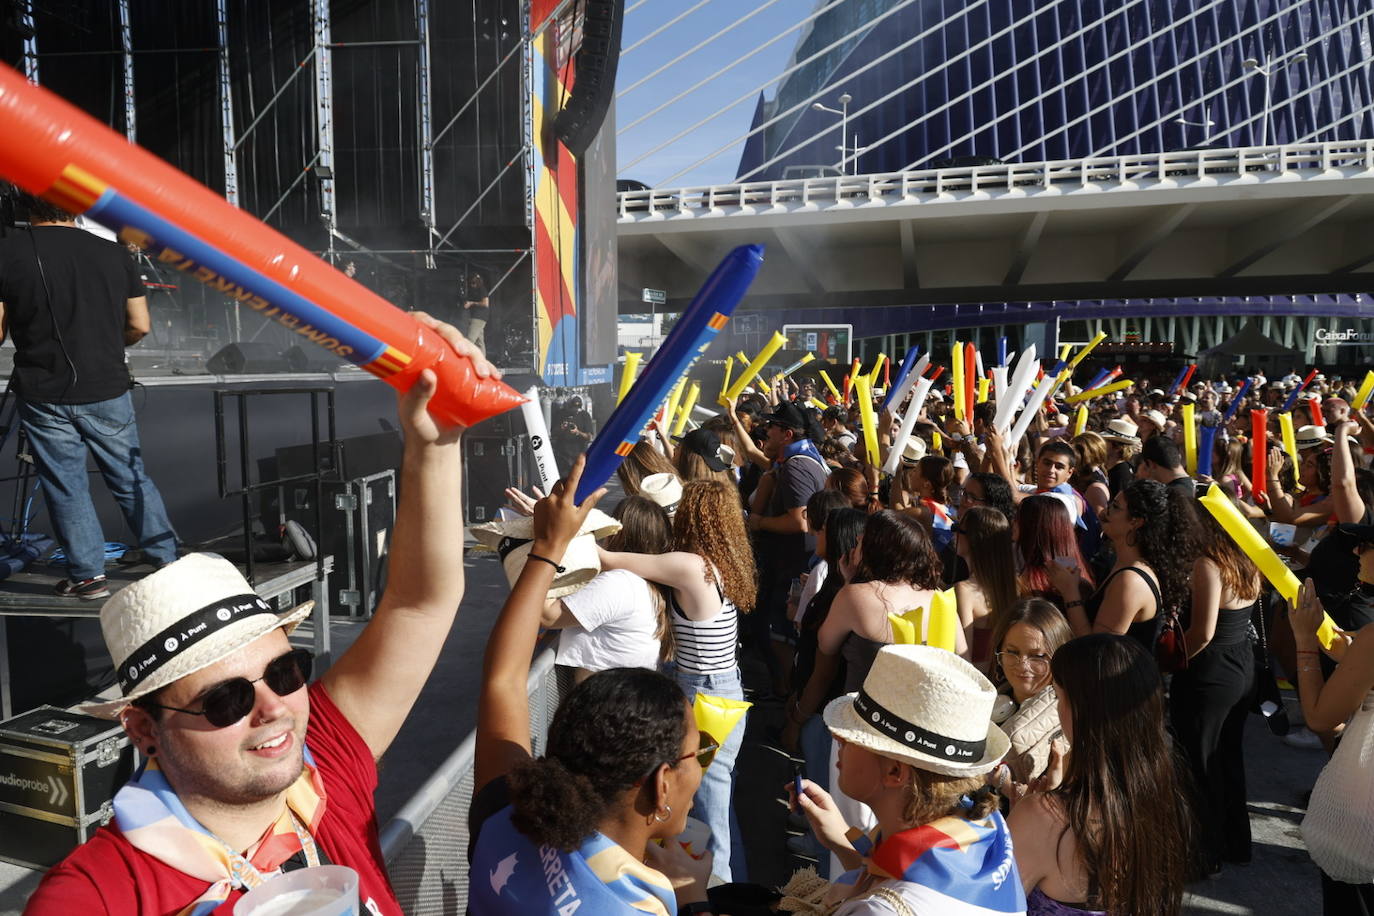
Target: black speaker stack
(593, 76)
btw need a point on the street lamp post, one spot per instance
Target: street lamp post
(843, 111)
(1268, 70)
(1205, 125)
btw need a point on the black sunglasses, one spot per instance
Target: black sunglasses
(229, 701)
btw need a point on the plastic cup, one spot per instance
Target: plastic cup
(326, 890)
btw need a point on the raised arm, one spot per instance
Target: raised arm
(1327, 704)
(503, 716)
(675, 570)
(1350, 508)
(376, 681)
(747, 449)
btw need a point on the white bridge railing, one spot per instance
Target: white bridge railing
(1339, 160)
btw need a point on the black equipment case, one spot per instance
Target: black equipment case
(59, 771)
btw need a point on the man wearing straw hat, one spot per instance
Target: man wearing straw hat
(248, 772)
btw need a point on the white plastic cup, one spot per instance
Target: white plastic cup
(325, 890)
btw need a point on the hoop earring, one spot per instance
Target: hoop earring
(668, 812)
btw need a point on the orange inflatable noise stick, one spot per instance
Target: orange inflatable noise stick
(55, 151)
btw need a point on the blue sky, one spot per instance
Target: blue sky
(713, 97)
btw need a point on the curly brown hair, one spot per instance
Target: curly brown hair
(710, 524)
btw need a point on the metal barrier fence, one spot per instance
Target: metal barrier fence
(425, 845)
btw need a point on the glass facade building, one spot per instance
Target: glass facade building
(935, 81)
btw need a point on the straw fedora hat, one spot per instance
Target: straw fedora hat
(913, 451)
(926, 707)
(1122, 430)
(579, 565)
(1155, 417)
(1311, 437)
(182, 618)
(664, 489)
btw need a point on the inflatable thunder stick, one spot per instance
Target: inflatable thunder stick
(794, 367)
(834, 392)
(1098, 392)
(898, 389)
(1314, 407)
(50, 148)
(1002, 350)
(725, 381)
(718, 716)
(938, 627)
(877, 368)
(775, 343)
(1366, 389)
(691, 335)
(538, 432)
(913, 413)
(627, 374)
(1293, 398)
(1259, 451)
(1037, 400)
(956, 368)
(864, 393)
(1088, 348)
(1235, 401)
(970, 379)
(685, 411)
(1290, 441)
(1260, 553)
(670, 408)
(1080, 420)
(1188, 411)
(1178, 381)
(1206, 440)
(983, 384)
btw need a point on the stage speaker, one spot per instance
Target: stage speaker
(312, 359)
(248, 356)
(593, 76)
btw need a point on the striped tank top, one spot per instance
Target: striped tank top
(705, 646)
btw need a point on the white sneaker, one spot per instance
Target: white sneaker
(1302, 738)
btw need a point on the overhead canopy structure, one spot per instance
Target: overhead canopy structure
(1241, 222)
(1250, 341)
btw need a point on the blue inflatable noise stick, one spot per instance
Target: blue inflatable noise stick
(712, 307)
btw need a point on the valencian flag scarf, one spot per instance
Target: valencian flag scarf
(509, 874)
(152, 818)
(962, 867)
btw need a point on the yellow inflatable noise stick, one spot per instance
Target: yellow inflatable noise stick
(718, 716)
(1260, 553)
(627, 375)
(937, 627)
(983, 388)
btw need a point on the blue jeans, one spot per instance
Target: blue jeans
(61, 435)
(712, 803)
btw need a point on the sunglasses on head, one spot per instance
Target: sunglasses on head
(229, 701)
(705, 753)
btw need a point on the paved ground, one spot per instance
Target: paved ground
(1280, 881)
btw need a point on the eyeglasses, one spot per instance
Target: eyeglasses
(705, 753)
(229, 701)
(1040, 663)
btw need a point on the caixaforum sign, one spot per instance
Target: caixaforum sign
(1342, 337)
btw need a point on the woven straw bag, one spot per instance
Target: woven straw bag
(1339, 826)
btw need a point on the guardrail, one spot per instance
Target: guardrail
(426, 844)
(894, 187)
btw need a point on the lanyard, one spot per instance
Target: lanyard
(244, 874)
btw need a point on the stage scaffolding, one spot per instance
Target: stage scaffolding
(392, 134)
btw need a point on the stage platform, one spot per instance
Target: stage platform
(30, 594)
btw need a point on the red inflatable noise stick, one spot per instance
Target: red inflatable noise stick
(51, 149)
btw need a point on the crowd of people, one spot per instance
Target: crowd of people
(1041, 653)
(1014, 676)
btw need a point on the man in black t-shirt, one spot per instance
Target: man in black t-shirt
(72, 302)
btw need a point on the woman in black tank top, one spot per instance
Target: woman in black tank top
(1151, 526)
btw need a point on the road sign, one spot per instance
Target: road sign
(656, 296)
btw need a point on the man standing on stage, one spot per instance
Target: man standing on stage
(72, 302)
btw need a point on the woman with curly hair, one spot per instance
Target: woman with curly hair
(1152, 527)
(623, 759)
(710, 579)
(1113, 836)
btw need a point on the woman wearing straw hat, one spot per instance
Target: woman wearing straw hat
(915, 744)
